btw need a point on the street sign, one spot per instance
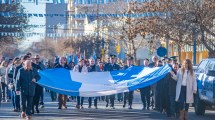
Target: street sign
(118, 49)
(161, 51)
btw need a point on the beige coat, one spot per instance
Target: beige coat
(191, 86)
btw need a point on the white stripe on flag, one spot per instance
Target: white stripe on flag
(96, 84)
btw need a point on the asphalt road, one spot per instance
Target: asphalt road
(50, 112)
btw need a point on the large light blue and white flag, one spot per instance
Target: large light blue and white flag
(100, 83)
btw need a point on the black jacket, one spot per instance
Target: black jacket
(171, 85)
(24, 82)
(65, 66)
(111, 67)
(15, 72)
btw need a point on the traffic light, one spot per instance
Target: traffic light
(103, 51)
(118, 49)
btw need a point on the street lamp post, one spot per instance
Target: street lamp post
(194, 46)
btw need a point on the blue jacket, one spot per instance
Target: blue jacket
(24, 82)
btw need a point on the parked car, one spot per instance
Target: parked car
(195, 67)
(205, 74)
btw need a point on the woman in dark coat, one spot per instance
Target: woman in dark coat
(25, 85)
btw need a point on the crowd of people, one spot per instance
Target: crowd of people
(171, 95)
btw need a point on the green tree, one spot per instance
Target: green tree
(12, 20)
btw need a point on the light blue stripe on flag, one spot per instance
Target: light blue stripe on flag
(101, 83)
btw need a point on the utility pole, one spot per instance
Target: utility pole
(194, 46)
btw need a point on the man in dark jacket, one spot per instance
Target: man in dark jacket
(171, 85)
(128, 95)
(62, 99)
(145, 92)
(17, 97)
(111, 67)
(39, 89)
(155, 97)
(93, 68)
(25, 85)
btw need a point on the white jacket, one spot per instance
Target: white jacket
(83, 70)
(191, 86)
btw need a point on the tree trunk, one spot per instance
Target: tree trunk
(179, 53)
(179, 47)
(134, 51)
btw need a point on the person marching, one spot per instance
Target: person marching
(128, 95)
(25, 85)
(145, 92)
(19, 66)
(111, 67)
(185, 88)
(62, 99)
(155, 96)
(82, 68)
(172, 110)
(93, 68)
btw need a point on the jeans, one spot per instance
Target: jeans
(145, 96)
(4, 91)
(53, 95)
(111, 98)
(29, 100)
(171, 106)
(120, 97)
(41, 96)
(182, 99)
(13, 98)
(128, 96)
(17, 102)
(80, 100)
(95, 101)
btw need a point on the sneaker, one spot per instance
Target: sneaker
(42, 106)
(22, 115)
(82, 107)
(28, 118)
(130, 108)
(65, 106)
(59, 107)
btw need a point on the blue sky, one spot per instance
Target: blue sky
(33, 8)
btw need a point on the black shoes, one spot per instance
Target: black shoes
(123, 106)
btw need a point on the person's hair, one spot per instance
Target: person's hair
(190, 67)
(2, 63)
(29, 54)
(146, 59)
(15, 60)
(154, 57)
(25, 57)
